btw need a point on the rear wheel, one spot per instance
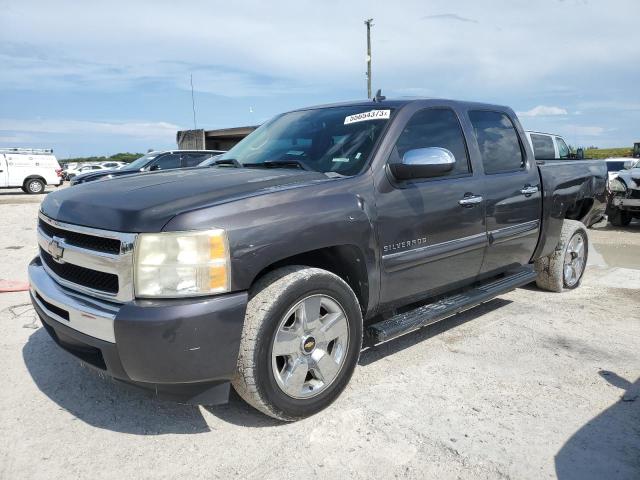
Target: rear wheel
(33, 186)
(300, 343)
(564, 268)
(620, 218)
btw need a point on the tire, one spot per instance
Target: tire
(552, 272)
(620, 218)
(34, 186)
(273, 314)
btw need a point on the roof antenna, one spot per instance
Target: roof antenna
(379, 97)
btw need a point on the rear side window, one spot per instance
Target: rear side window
(543, 147)
(498, 142)
(563, 150)
(436, 127)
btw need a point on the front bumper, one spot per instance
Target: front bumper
(184, 349)
(621, 202)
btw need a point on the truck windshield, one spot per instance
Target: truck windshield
(333, 140)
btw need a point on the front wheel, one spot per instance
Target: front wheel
(300, 343)
(564, 268)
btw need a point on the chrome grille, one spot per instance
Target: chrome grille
(90, 242)
(92, 261)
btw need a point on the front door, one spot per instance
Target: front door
(431, 231)
(512, 192)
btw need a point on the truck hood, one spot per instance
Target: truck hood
(146, 202)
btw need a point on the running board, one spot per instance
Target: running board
(434, 312)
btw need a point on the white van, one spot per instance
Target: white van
(29, 168)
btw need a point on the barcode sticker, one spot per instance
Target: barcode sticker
(370, 115)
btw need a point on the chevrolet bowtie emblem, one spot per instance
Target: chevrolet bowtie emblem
(55, 250)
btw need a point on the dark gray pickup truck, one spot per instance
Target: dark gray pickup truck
(324, 229)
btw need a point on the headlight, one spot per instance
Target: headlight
(616, 185)
(181, 264)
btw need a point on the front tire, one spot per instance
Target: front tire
(564, 268)
(300, 342)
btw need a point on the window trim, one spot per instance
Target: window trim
(402, 183)
(523, 151)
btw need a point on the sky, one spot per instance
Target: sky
(97, 78)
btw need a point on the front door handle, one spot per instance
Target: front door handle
(470, 201)
(529, 190)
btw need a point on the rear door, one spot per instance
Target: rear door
(511, 189)
(431, 231)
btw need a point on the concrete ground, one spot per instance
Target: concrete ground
(530, 385)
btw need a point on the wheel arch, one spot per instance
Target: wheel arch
(34, 177)
(346, 261)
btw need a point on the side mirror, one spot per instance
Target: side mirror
(580, 154)
(628, 164)
(423, 163)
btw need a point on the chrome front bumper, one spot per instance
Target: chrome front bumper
(85, 314)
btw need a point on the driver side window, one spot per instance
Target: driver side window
(436, 127)
(167, 162)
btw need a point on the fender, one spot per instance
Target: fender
(269, 228)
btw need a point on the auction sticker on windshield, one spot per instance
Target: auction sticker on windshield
(370, 115)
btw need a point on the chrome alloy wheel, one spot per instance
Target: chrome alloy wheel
(310, 346)
(574, 260)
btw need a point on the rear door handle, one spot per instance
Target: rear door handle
(470, 201)
(529, 190)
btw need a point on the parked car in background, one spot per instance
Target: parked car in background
(547, 146)
(84, 169)
(615, 165)
(153, 161)
(31, 169)
(324, 224)
(624, 196)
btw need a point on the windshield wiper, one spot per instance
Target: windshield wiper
(279, 164)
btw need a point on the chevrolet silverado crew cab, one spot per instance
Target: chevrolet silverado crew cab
(325, 228)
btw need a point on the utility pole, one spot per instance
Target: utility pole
(193, 104)
(369, 25)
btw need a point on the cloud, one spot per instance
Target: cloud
(543, 111)
(586, 131)
(16, 128)
(449, 16)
